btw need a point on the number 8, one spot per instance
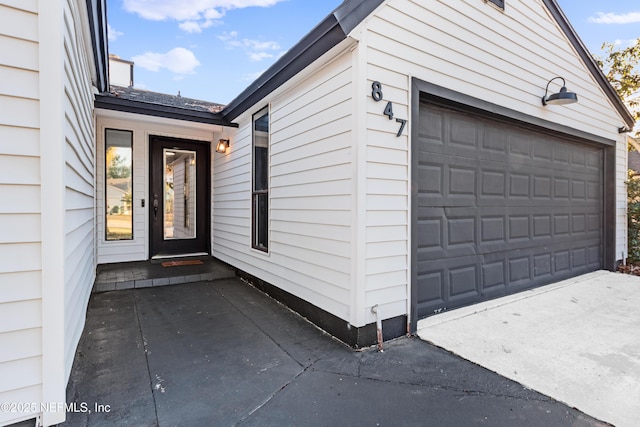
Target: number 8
(376, 91)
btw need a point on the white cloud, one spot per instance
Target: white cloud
(178, 61)
(625, 43)
(213, 14)
(112, 33)
(195, 26)
(193, 15)
(616, 18)
(259, 56)
(228, 36)
(256, 50)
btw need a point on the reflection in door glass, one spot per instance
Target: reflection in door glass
(179, 194)
(119, 183)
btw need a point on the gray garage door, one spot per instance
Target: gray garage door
(500, 208)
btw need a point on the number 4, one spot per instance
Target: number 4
(388, 111)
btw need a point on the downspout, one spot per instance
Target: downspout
(376, 310)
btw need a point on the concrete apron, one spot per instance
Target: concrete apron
(577, 341)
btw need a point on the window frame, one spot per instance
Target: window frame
(497, 3)
(131, 178)
(257, 220)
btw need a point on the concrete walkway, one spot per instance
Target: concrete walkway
(577, 341)
(222, 353)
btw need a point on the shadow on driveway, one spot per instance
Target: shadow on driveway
(222, 353)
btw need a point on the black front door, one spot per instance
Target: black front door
(179, 212)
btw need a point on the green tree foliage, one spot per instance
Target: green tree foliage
(622, 68)
(633, 218)
(117, 166)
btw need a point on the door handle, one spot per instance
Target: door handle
(155, 206)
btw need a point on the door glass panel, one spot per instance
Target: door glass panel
(179, 194)
(119, 183)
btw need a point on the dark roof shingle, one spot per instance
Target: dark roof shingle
(177, 101)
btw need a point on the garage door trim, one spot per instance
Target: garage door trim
(437, 95)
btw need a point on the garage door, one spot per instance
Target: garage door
(500, 208)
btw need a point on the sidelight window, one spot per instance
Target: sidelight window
(260, 190)
(119, 184)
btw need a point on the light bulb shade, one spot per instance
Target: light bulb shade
(222, 146)
(563, 97)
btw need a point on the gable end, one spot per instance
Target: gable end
(583, 52)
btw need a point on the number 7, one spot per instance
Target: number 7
(403, 123)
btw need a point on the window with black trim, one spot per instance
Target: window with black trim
(499, 3)
(260, 190)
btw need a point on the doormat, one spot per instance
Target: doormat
(181, 263)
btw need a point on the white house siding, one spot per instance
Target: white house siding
(79, 179)
(142, 127)
(311, 187)
(52, 106)
(20, 209)
(505, 57)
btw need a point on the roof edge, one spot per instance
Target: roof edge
(319, 41)
(350, 14)
(97, 11)
(598, 74)
(332, 30)
(107, 102)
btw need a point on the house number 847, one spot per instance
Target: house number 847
(376, 94)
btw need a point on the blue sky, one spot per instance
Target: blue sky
(213, 49)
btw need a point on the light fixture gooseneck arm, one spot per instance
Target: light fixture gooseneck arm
(546, 91)
(563, 97)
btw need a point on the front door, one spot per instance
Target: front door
(179, 212)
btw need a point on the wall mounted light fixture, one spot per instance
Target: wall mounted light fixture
(563, 97)
(222, 146)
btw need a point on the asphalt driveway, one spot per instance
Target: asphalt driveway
(577, 341)
(222, 353)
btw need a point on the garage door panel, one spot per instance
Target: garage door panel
(594, 191)
(501, 209)
(499, 145)
(495, 142)
(463, 132)
(493, 276)
(447, 226)
(486, 186)
(579, 158)
(451, 283)
(519, 145)
(594, 255)
(542, 150)
(594, 161)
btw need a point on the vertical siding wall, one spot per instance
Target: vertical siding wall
(622, 167)
(505, 57)
(79, 178)
(20, 237)
(310, 192)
